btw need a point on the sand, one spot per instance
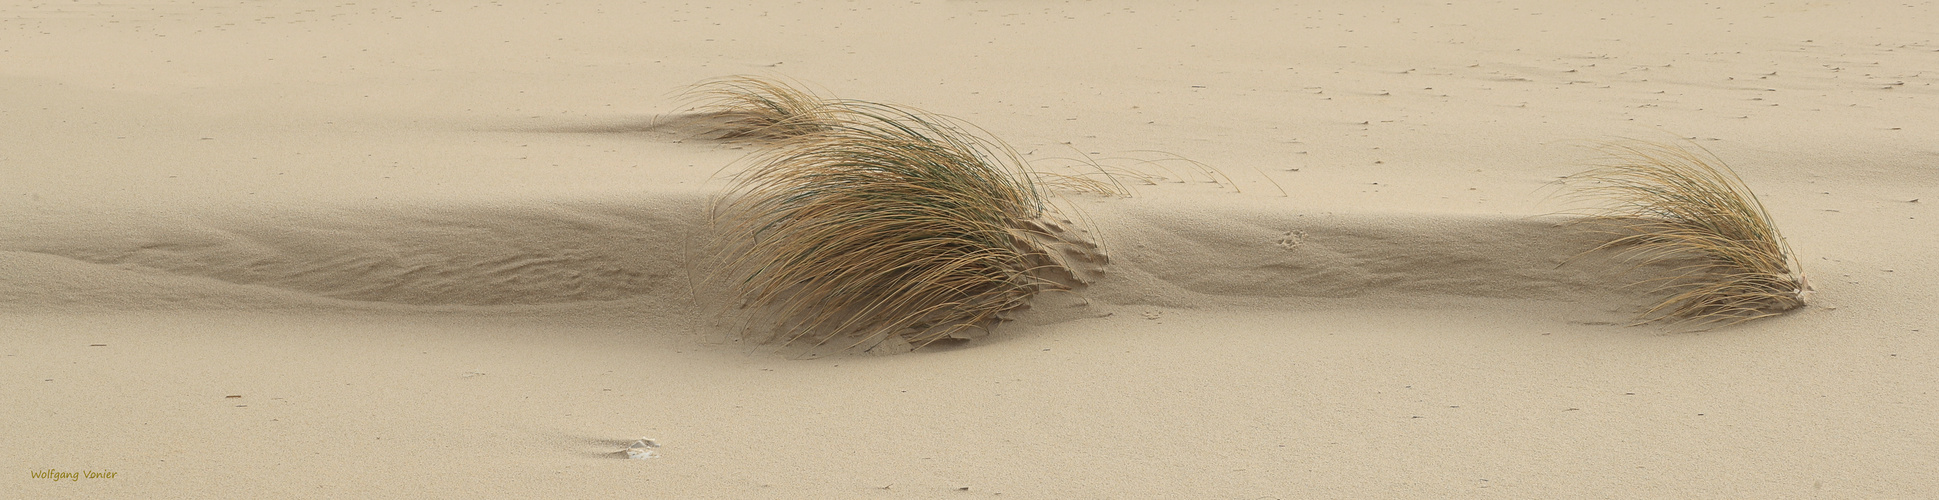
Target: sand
(376, 250)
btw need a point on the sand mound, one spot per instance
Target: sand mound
(1168, 252)
(1255, 250)
(475, 254)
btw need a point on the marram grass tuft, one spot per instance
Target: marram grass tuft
(876, 222)
(1672, 204)
(755, 107)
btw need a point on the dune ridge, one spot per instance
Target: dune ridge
(479, 255)
(1173, 252)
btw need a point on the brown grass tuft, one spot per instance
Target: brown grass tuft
(877, 221)
(1672, 204)
(755, 107)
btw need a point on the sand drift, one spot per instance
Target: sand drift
(882, 223)
(514, 255)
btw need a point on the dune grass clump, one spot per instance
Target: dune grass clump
(754, 107)
(1673, 204)
(884, 221)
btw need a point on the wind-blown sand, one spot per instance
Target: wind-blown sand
(355, 250)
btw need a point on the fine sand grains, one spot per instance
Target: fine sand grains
(448, 252)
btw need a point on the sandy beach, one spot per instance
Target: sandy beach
(389, 250)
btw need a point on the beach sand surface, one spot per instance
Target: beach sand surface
(378, 250)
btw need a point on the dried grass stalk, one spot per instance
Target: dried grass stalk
(1673, 204)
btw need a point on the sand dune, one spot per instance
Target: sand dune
(404, 251)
